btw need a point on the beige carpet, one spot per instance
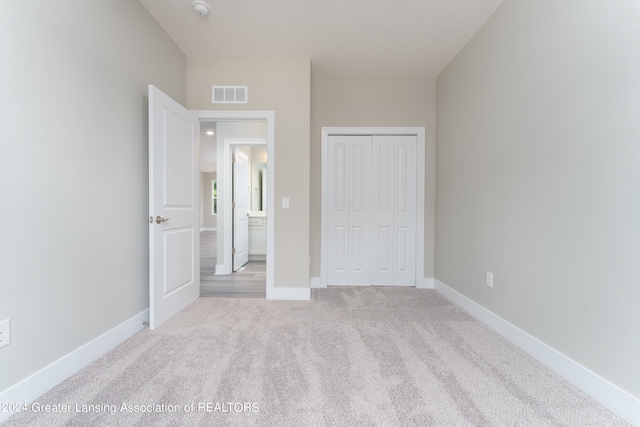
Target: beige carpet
(355, 356)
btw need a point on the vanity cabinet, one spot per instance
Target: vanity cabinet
(257, 237)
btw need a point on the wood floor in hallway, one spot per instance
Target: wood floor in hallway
(249, 282)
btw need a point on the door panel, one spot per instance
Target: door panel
(241, 209)
(358, 251)
(340, 178)
(384, 252)
(178, 248)
(349, 205)
(384, 179)
(402, 257)
(393, 210)
(338, 255)
(405, 211)
(372, 194)
(338, 214)
(402, 189)
(359, 196)
(174, 243)
(382, 209)
(178, 168)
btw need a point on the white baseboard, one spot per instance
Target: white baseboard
(220, 269)
(316, 283)
(208, 229)
(289, 294)
(610, 395)
(48, 377)
(425, 283)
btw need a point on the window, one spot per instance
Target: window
(214, 196)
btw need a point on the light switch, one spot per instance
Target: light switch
(285, 203)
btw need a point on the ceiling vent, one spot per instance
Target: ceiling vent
(229, 94)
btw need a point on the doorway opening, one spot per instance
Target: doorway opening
(226, 135)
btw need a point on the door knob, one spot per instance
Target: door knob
(160, 220)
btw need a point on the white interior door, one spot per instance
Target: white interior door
(349, 206)
(174, 237)
(359, 199)
(383, 209)
(371, 205)
(240, 209)
(394, 210)
(338, 210)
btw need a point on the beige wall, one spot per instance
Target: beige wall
(538, 177)
(73, 171)
(283, 86)
(373, 103)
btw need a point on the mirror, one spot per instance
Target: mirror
(259, 186)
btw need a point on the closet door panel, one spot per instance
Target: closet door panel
(405, 211)
(371, 204)
(359, 201)
(382, 209)
(338, 218)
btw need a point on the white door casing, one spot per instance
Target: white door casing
(396, 212)
(174, 238)
(240, 209)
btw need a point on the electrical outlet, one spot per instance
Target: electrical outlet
(5, 332)
(489, 281)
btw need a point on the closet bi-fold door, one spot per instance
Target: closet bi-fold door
(393, 210)
(349, 207)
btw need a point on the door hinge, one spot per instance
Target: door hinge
(233, 251)
(233, 205)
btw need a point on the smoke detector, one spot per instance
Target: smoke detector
(201, 8)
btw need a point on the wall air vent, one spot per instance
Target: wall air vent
(229, 94)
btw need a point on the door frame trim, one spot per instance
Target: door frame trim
(269, 117)
(419, 133)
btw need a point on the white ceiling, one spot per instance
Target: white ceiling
(345, 39)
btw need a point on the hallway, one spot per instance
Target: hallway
(248, 282)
